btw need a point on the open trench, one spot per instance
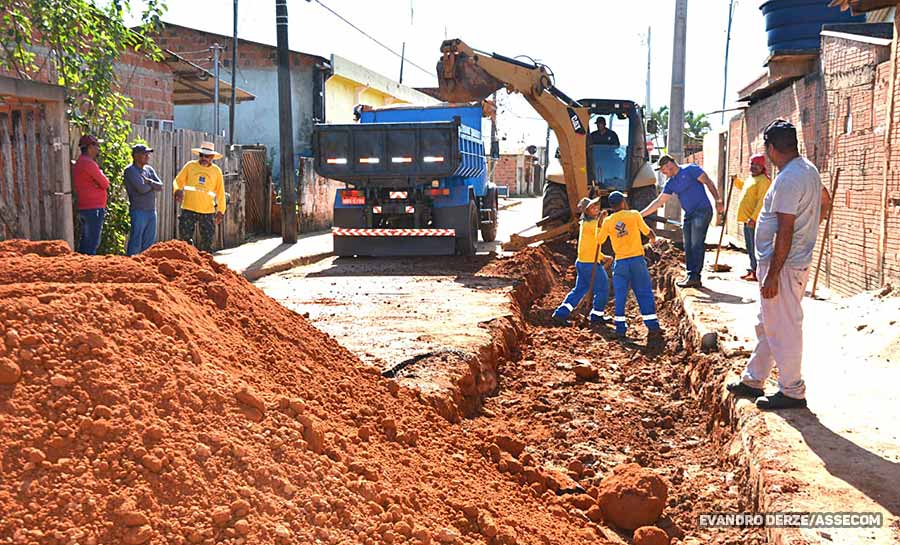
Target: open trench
(579, 403)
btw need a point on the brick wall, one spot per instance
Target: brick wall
(695, 158)
(801, 103)
(891, 208)
(856, 77)
(505, 172)
(194, 44)
(841, 118)
(148, 84)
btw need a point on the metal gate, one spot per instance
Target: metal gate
(257, 178)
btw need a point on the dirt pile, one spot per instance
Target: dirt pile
(163, 399)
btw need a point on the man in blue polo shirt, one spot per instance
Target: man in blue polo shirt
(690, 183)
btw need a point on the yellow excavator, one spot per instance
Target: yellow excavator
(466, 74)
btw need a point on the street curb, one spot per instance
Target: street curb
(706, 338)
(281, 266)
(766, 478)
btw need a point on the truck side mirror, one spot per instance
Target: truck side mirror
(495, 149)
(652, 126)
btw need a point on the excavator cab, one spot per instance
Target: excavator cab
(624, 167)
(619, 163)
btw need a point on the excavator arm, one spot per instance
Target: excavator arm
(466, 74)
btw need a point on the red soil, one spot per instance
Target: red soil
(164, 399)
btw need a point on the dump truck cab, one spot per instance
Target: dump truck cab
(416, 181)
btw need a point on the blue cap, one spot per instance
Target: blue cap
(616, 198)
(140, 148)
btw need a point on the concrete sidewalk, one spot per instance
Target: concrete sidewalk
(843, 453)
(269, 255)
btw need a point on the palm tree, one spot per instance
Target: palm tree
(695, 125)
(661, 116)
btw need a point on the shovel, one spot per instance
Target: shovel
(722, 267)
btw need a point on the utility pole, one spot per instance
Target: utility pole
(727, 44)
(234, 46)
(495, 144)
(647, 99)
(675, 141)
(402, 59)
(216, 48)
(286, 127)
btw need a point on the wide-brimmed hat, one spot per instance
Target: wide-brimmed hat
(586, 203)
(207, 148)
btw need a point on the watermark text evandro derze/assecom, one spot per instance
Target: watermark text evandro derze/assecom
(812, 519)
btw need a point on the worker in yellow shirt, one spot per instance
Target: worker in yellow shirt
(587, 268)
(200, 189)
(753, 192)
(624, 229)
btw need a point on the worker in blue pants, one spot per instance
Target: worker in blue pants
(588, 267)
(624, 228)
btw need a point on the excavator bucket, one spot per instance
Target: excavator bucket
(460, 79)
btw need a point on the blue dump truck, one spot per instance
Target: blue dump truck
(416, 181)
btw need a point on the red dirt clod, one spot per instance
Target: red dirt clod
(10, 372)
(650, 535)
(632, 496)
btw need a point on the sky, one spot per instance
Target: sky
(596, 48)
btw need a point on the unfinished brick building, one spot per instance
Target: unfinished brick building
(839, 105)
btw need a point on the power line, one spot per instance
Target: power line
(369, 36)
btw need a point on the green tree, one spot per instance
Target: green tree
(695, 125)
(85, 42)
(661, 116)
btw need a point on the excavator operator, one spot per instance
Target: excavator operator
(604, 136)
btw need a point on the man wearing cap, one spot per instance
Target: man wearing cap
(753, 190)
(604, 136)
(786, 234)
(200, 188)
(589, 273)
(90, 186)
(624, 229)
(690, 183)
(142, 185)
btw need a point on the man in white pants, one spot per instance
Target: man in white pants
(785, 238)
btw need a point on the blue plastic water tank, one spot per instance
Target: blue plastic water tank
(793, 25)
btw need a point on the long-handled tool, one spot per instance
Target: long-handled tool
(590, 293)
(834, 186)
(722, 267)
(667, 221)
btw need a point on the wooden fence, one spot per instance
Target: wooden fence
(31, 198)
(36, 148)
